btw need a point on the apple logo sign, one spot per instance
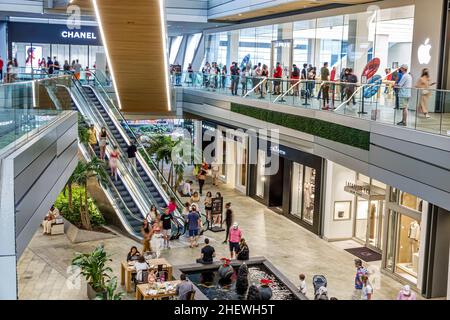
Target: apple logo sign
(424, 52)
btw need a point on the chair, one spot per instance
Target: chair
(190, 295)
(144, 279)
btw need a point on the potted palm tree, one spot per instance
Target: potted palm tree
(93, 267)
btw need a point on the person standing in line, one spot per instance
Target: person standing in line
(92, 136)
(278, 74)
(367, 290)
(406, 294)
(404, 94)
(146, 232)
(245, 75)
(113, 162)
(190, 71)
(2, 63)
(352, 80)
(223, 74)
(424, 84)
(333, 86)
(234, 239)
(131, 152)
(325, 77)
(228, 220)
(295, 76)
(397, 77)
(195, 225)
(342, 85)
(359, 283)
(264, 74)
(103, 142)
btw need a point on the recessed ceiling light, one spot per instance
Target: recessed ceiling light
(240, 14)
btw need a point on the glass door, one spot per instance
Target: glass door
(241, 164)
(375, 225)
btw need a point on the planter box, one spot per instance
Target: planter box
(76, 235)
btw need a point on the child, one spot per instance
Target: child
(302, 284)
(367, 290)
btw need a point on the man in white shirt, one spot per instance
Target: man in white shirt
(404, 93)
(187, 188)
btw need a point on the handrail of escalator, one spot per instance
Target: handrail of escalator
(129, 169)
(115, 195)
(148, 159)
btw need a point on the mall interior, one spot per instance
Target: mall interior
(323, 123)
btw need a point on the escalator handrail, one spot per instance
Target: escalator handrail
(154, 167)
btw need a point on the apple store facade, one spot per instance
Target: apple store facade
(396, 32)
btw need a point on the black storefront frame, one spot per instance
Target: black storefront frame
(288, 157)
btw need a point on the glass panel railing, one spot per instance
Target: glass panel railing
(19, 125)
(428, 110)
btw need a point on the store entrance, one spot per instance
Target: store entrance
(369, 216)
(276, 188)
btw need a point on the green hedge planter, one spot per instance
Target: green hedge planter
(327, 130)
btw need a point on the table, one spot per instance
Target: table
(142, 288)
(126, 271)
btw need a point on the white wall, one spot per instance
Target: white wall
(400, 53)
(337, 176)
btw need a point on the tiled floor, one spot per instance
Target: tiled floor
(292, 249)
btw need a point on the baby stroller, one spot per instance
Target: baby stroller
(320, 284)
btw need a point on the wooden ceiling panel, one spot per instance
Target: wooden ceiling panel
(133, 36)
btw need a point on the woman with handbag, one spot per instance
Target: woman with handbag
(423, 84)
(201, 180)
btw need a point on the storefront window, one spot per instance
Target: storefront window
(407, 261)
(410, 201)
(309, 190)
(174, 48)
(362, 207)
(192, 44)
(61, 52)
(297, 190)
(93, 51)
(79, 53)
(304, 42)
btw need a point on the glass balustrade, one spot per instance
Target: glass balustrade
(428, 110)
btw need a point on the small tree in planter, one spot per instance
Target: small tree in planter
(94, 269)
(83, 172)
(110, 291)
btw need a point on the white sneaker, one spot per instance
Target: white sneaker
(427, 116)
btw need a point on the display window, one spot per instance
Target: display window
(260, 175)
(403, 254)
(303, 192)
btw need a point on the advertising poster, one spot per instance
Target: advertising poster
(32, 54)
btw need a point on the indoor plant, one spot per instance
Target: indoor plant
(110, 291)
(94, 269)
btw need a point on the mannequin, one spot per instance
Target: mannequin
(414, 237)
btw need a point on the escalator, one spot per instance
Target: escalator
(127, 194)
(147, 169)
